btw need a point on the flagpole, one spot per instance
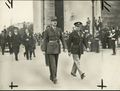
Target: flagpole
(93, 31)
(11, 11)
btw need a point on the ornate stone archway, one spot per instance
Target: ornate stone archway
(73, 11)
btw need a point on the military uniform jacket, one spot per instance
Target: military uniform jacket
(114, 36)
(52, 39)
(76, 43)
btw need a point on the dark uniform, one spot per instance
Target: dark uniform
(16, 45)
(3, 41)
(76, 47)
(42, 45)
(109, 39)
(113, 40)
(103, 35)
(97, 45)
(52, 48)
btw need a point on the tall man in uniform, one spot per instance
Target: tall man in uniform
(75, 47)
(52, 37)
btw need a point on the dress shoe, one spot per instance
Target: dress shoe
(16, 59)
(83, 75)
(73, 74)
(55, 81)
(114, 54)
(24, 54)
(51, 78)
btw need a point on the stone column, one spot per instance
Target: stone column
(38, 16)
(79, 11)
(97, 8)
(49, 11)
(76, 11)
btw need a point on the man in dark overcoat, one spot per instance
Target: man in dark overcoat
(16, 43)
(3, 41)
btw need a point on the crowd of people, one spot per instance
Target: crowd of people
(106, 37)
(12, 40)
(75, 42)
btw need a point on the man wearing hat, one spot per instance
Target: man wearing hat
(16, 43)
(52, 37)
(75, 47)
(113, 37)
(3, 41)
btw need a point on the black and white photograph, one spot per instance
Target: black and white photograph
(59, 44)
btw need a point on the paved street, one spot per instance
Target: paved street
(33, 74)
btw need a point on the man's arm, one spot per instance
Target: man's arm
(45, 41)
(63, 40)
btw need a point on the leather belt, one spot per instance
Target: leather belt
(53, 41)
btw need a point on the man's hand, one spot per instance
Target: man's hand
(87, 49)
(64, 50)
(69, 54)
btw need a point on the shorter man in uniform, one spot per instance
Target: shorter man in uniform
(75, 46)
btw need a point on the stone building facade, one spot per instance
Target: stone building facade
(67, 12)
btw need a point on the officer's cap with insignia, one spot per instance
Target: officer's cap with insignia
(77, 24)
(54, 18)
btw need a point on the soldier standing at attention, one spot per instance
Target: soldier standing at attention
(52, 37)
(75, 47)
(113, 40)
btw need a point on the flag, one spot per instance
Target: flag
(105, 5)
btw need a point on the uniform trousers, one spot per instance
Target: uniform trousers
(113, 47)
(76, 64)
(53, 61)
(3, 48)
